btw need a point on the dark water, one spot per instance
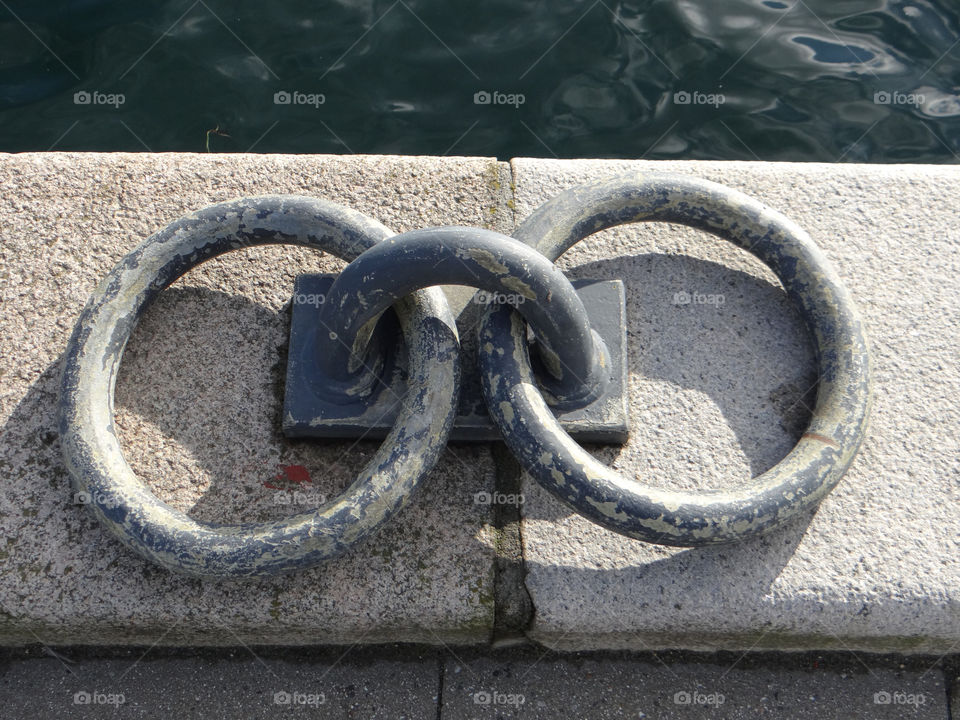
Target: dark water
(863, 81)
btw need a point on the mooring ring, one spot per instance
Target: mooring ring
(126, 506)
(579, 367)
(669, 517)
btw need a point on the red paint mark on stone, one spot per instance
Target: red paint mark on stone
(296, 474)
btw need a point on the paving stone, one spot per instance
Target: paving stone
(726, 686)
(718, 394)
(241, 685)
(198, 404)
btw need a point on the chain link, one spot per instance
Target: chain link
(387, 270)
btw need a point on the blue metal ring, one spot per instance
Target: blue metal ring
(799, 481)
(128, 508)
(575, 358)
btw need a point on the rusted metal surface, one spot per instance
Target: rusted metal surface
(312, 411)
(574, 364)
(172, 539)
(799, 481)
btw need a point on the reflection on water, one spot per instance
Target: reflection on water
(854, 80)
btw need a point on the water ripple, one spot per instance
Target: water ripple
(853, 80)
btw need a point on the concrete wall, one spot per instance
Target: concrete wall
(718, 394)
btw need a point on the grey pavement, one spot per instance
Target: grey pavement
(720, 392)
(198, 404)
(462, 684)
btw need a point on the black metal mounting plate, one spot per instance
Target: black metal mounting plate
(306, 414)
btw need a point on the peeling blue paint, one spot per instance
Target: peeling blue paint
(128, 508)
(799, 482)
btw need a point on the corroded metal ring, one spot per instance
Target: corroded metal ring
(799, 481)
(579, 369)
(169, 537)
